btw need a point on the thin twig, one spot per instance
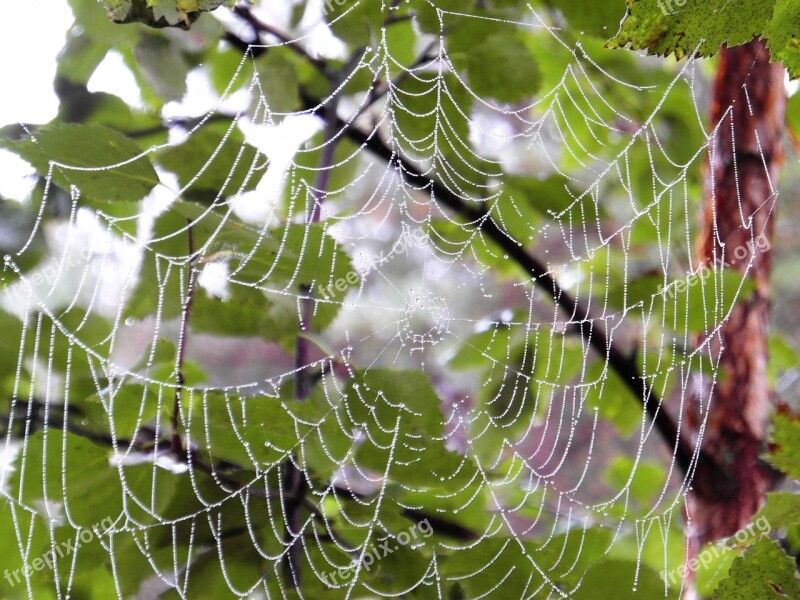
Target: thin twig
(260, 26)
(177, 443)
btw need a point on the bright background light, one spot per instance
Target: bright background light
(31, 34)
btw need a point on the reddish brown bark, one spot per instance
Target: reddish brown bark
(749, 102)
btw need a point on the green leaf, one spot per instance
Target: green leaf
(30, 531)
(644, 479)
(213, 162)
(77, 147)
(382, 396)
(716, 561)
(9, 346)
(259, 431)
(400, 40)
(781, 511)
(600, 19)
(493, 56)
(126, 407)
(499, 66)
(80, 56)
(671, 27)
(162, 66)
(783, 35)
(167, 10)
(763, 573)
(550, 197)
(785, 451)
(96, 20)
(782, 357)
(356, 22)
(65, 336)
(793, 115)
(62, 467)
(112, 112)
(272, 67)
(620, 580)
(418, 105)
(611, 397)
(267, 269)
(663, 27)
(495, 567)
(702, 301)
(500, 567)
(401, 415)
(17, 223)
(161, 13)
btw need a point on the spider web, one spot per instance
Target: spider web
(504, 466)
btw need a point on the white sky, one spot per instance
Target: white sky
(27, 68)
(31, 34)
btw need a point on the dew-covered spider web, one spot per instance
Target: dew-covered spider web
(314, 360)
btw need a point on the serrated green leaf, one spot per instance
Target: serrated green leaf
(783, 35)
(161, 13)
(663, 27)
(763, 573)
(785, 453)
(670, 27)
(76, 148)
(781, 510)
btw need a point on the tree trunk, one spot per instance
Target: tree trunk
(749, 103)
